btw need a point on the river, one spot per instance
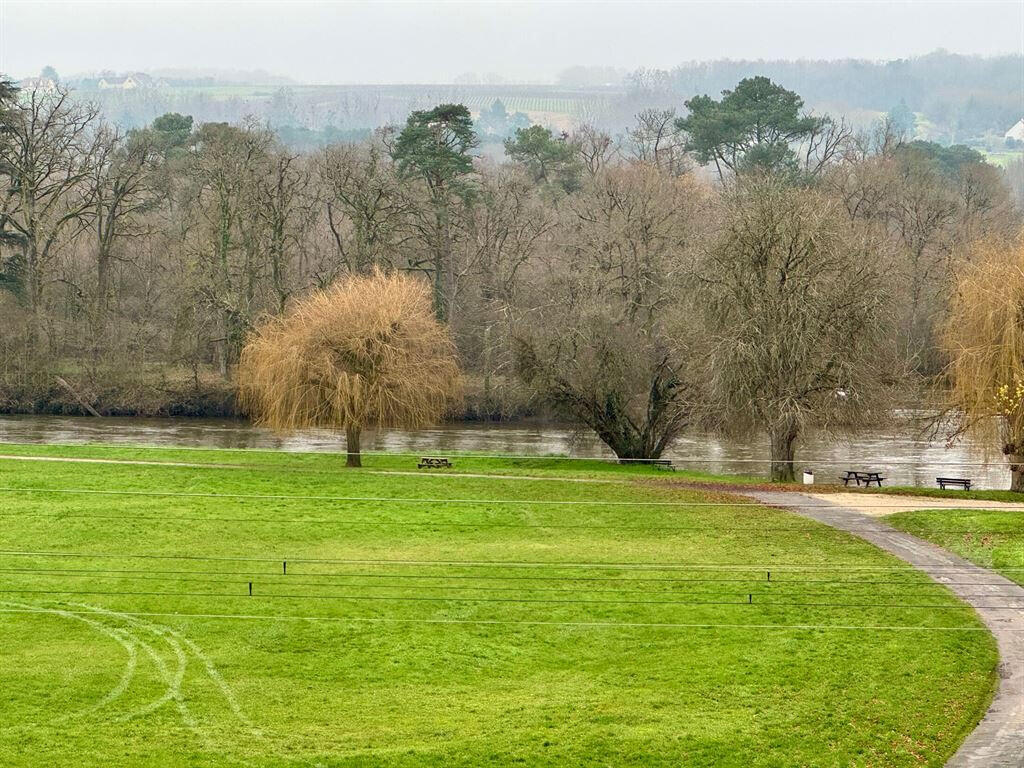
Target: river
(904, 457)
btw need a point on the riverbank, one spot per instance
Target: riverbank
(166, 399)
(205, 395)
(905, 458)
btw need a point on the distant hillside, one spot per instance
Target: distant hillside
(951, 98)
(351, 107)
(963, 98)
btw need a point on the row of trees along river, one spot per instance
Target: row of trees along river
(747, 267)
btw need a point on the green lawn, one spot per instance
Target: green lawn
(432, 619)
(1002, 158)
(991, 538)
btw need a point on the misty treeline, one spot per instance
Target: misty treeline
(962, 96)
(957, 98)
(796, 277)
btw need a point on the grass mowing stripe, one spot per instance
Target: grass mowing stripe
(923, 581)
(297, 582)
(418, 598)
(304, 470)
(583, 624)
(1003, 506)
(537, 564)
(706, 529)
(403, 500)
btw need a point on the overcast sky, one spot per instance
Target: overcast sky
(419, 42)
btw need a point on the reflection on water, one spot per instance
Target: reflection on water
(905, 458)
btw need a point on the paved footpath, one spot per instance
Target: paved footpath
(998, 741)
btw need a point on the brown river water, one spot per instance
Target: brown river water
(903, 456)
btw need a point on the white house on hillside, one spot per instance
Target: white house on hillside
(1017, 132)
(128, 82)
(38, 84)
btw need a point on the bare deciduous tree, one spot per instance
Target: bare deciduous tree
(932, 202)
(367, 210)
(606, 340)
(511, 223)
(825, 145)
(285, 208)
(222, 168)
(47, 156)
(796, 304)
(656, 139)
(595, 148)
(123, 191)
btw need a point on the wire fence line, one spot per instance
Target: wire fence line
(759, 587)
(540, 623)
(736, 600)
(921, 578)
(755, 599)
(515, 564)
(740, 602)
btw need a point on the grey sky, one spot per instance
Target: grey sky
(346, 42)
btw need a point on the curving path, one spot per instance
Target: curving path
(998, 740)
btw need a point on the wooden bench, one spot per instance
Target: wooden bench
(665, 463)
(862, 478)
(963, 482)
(433, 462)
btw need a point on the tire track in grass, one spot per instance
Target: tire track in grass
(173, 680)
(174, 637)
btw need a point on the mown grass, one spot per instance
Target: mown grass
(435, 619)
(991, 538)
(462, 463)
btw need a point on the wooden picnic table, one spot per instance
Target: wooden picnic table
(862, 478)
(433, 462)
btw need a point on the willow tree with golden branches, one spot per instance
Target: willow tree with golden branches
(984, 338)
(367, 351)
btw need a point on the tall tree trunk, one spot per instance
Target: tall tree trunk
(1017, 474)
(102, 259)
(1016, 456)
(441, 258)
(32, 287)
(442, 253)
(224, 279)
(353, 459)
(221, 349)
(783, 451)
(439, 307)
(487, 405)
(102, 279)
